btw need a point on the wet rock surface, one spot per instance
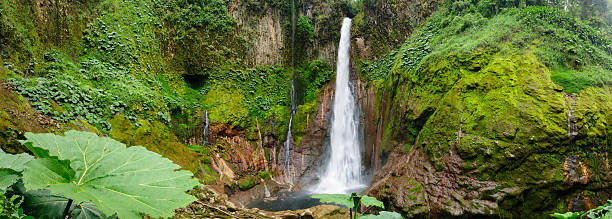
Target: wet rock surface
(307, 157)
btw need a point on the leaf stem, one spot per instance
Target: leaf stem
(65, 215)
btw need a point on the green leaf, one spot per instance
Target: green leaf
(14, 162)
(38, 152)
(86, 211)
(371, 201)
(566, 215)
(11, 167)
(47, 171)
(339, 199)
(7, 178)
(41, 203)
(118, 180)
(382, 215)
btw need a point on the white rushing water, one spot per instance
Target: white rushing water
(343, 170)
(205, 130)
(288, 153)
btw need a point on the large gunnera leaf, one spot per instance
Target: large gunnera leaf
(339, 199)
(118, 180)
(11, 166)
(42, 204)
(382, 215)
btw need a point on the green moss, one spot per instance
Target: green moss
(247, 182)
(265, 175)
(303, 116)
(226, 106)
(3, 71)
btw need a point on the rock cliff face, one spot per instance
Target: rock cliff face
(266, 31)
(503, 143)
(385, 24)
(308, 155)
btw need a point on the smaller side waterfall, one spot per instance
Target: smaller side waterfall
(572, 128)
(205, 127)
(266, 191)
(288, 150)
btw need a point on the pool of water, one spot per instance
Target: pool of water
(286, 201)
(290, 201)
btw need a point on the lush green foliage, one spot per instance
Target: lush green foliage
(199, 36)
(211, 15)
(309, 78)
(10, 205)
(304, 30)
(586, 61)
(94, 93)
(601, 212)
(88, 169)
(353, 7)
(409, 55)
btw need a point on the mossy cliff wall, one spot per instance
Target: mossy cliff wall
(476, 123)
(493, 141)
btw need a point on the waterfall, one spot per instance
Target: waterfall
(205, 125)
(266, 191)
(572, 128)
(288, 152)
(343, 170)
(289, 139)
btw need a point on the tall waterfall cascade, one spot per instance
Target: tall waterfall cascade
(343, 172)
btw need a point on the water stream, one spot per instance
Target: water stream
(343, 172)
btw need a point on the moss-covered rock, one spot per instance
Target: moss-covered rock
(226, 106)
(247, 182)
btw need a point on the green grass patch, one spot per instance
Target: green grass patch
(574, 81)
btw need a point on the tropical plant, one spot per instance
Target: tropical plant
(601, 212)
(353, 201)
(83, 175)
(11, 167)
(304, 30)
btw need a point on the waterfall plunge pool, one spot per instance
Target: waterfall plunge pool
(292, 201)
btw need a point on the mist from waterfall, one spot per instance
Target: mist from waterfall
(343, 172)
